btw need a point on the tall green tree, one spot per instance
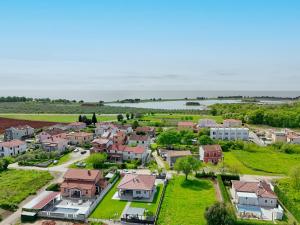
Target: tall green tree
(80, 118)
(94, 118)
(187, 165)
(219, 213)
(120, 117)
(127, 116)
(169, 138)
(135, 124)
(205, 140)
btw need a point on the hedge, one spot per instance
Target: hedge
(223, 190)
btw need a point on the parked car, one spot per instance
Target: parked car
(82, 152)
(76, 150)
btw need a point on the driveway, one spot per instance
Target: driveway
(158, 160)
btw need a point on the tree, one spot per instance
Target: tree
(80, 118)
(131, 116)
(135, 124)
(120, 117)
(169, 138)
(295, 176)
(97, 160)
(205, 140)
(220, 214)
(187, 165)
(127, 116)
(94, 119)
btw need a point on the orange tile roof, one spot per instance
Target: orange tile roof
(137, 182)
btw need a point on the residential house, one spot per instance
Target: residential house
(55, 144)
(293, 138)
(119, 138)
(232, 123)
(207, 123)
(256, 197)
(103, 127)
(210, 153)
(12, 148)
(126, 128)
(51, 133)
(146, 130)
(77, 126)
(81, 183)
(101, 145)
(137, 186)
(19, 132)
(186, 125)
(233, 133)
(79, 138)
(172, 156)
(139, 140)
(279, 136)
(118, 153)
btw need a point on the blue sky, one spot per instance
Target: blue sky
(149, 45)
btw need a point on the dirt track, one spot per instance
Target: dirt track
(6, 123)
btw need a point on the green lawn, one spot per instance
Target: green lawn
(61, 118)
(65, 158)
(151, 207)
(16, 185)
(289, 195)
(260, 162)
(185, 201)
(109, 208)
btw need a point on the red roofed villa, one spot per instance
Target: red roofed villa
(137, 186)
(81, 183)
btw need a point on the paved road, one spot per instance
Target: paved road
(158, 160)
(56, 171)
(253, 137)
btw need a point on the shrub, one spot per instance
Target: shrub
(53, 187)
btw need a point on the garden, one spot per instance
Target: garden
(185, 201)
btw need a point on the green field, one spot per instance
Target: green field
(61, 118)
(16, 185)
(151, 207)
(109, 208)
(289, 195)
(260, 162)
(185, 201)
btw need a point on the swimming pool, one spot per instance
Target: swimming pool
(248, 208)
(64, 210)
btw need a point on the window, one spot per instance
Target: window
(266, 201)
(138, 192)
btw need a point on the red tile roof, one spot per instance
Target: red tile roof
(172, 153)
(135, 137)
(125, 148)
(137, 182)
(186, 124)
(145, 129)
(208, 148)
(82, 174)
(12, 143)
(101, 141)
(261, 188)
(46, 200)
(79, 185)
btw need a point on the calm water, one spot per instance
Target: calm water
(113, 95)
(182, 104)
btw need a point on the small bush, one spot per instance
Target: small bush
(53, 187)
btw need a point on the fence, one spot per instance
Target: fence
(55, 215)
(160, 201)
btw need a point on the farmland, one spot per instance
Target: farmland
(6, 123)
(60, 118)
(185, 201)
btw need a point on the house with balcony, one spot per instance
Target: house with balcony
(12, 148)
(79, 138)
(232, 133)
(19, 132)
(101, 145)
(120, 153)
(146, 130)
(51, 133)
(139, 140)
(81, 183)
(55, 144)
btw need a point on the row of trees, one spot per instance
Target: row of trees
(87, 121)
(281, 115)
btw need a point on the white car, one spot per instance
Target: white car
(76, 150)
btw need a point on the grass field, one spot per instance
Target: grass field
(109, 208)
(289, 195)
(151, 207)
(185, 201)
(260, 162)
(16, 185)
(61, 118)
